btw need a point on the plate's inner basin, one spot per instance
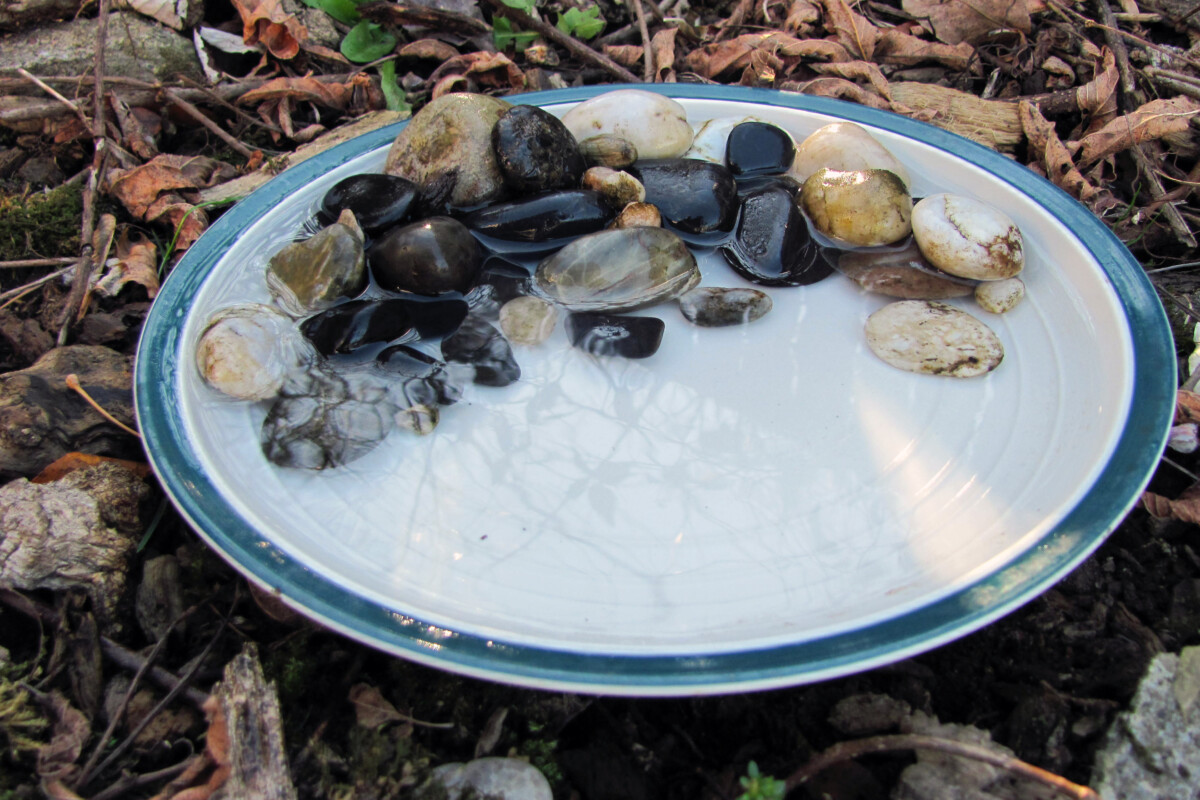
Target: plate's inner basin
(742, 488)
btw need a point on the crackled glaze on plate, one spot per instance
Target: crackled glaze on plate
(751, 507)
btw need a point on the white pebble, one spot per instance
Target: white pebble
(933, 338)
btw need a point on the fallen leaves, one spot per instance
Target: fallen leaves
(956, 21)
(266, 22)
(1154, 120)
(159, 190)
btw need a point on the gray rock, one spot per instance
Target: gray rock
(499, 778)
(1152, 751)
(135, 47)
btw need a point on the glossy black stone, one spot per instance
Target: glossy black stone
(772, 245)
(424, 378)
(749, 185)
(535, 151)
(345, 328)
(758, 148)
(378, 201)
(429, 257)
(499, 281)
(615, 334)
(479, 344)
(694, 197)
(543, 217)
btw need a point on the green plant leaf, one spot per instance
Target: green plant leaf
(392, 93)
(583, 24)
(367, 41)
(345, 11)
(524, 5)
(503, 34)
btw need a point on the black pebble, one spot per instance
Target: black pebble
(615, 334)
(758, 148)
(378, 201)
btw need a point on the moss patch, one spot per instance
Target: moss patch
(40, 224)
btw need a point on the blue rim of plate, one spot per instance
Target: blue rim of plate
(1120, 484)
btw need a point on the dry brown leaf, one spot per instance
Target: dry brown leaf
(856, 71)
(72, 462)
(714, 59)
(838, 88)
(854, 32)
(627, 55)
(1098, 97)
(136, 262)
(762, 69)
(371, 709)
(801, 16)
(956, 21)
(431, 49)
(304, 89)
(663, 48)
(494, 70)
(1187, 407)
(1052, 155)
(71, 730)
(265, 22)
(133, 134)
(904, 50)
(1186, 507)
(271, 604)
(1151, 121)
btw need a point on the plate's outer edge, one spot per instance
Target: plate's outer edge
(1115, 492)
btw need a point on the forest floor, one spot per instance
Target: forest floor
(1101, 99)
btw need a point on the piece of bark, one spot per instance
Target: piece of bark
(240, 187)
(258, 765)
(159, 600)
(41, 419)
(993, 123)
(56, 536)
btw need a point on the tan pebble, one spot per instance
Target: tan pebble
(527, 320)
(607, 150)
(999, 297)
(638, 215)
(619, 188)
(864, 207)
(933, 338)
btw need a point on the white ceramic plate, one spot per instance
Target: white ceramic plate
(751, 507)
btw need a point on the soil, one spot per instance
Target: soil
(1047, 681)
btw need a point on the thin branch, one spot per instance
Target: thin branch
(123, 785)
(13, 295)
(73, 383)
(577, 48)
(847, 751)
(50, 90)
(648, 70)
(202, 118)
(36, 262)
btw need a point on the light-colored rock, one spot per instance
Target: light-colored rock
(494, 778)
(1000, 297)
(655, 124)
(135, 47)
(863, 207)
(934, 339)
(248, 350)
(1152, 750)
(313, 274)
(844, 146)
(619, 188)
(638, 215)
(716, 307)
(452, 134)
(967, 238)
(710, 140)
(527, 320)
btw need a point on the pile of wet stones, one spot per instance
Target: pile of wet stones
(492, 220)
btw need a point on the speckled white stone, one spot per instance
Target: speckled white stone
(656, 125)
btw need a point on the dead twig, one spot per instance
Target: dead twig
(577, 48)
(202, 118)
(123, 785)
(847, 751)
(428, 17)
(73, 383)
(13, 295)
(35, 262)
(50, 90)
(647, 52)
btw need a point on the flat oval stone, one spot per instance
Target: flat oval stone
(933, 338)
(618, 270)
(430, 257)
(483, 347)
(968, 238)
(314, 274)
(345, 328)
(378, 201)
(535, 150)
(615, 334)
(759, 148)
(527, 320)
(695, 197)
(714, 307)
(654, 124)
(606, 150)
(902, 273)
(843, 146)
(452, 136)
